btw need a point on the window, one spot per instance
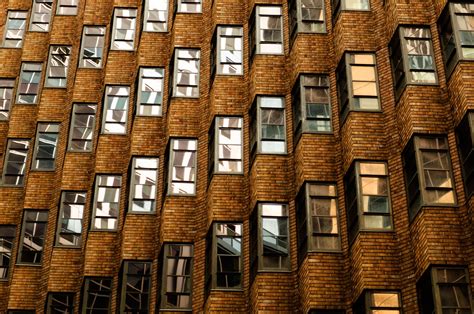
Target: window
(41, 15)
(60, 302)
(106, 202)
(115, 109)
(150, 93)
(317, 215)
(182, 167)
(71, 211)
(6, 95)
(123, 33)
(92, 47)
(456, 28)
(357, 87)
(428, 174)
(267, 126)
(56, 74)
(46, 146)
(271, 252)
(32, 236)
(445, 290)
(136, 284)
(225, 145)
(7, 236)
(378, 302)
(226, 51)
(15, 29)
(189, 6)
(186, 74)
(311, 105)
(306, 16)
(350, 5)
(143, 184)
(82, 127)
(224, 268)
(177, 280)
(156, 16)
(265, 31)
(67, 7)
(97, 295)
(465, 140)
(29, 83)
(367, 197)
(14, 162)
(411, 53)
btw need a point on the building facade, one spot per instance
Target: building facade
(309, 156)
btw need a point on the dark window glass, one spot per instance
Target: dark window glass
(97, 295)
(136, 287)
(7, 236)
(32, 236)
(60, 303)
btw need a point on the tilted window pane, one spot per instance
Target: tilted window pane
(420, 57)
(6, 95)
(269, 33)
(272, 125)
(32, 236)
(97, 295)
(156, 16)
(230, 46)
(41, 15)
(67, 7)
(385, 302)
(115, 110)
(150, 95)
(229, 144)
(71, 213)
(82, 127)
(452, 285)
(56, 74)
(92, 47)
(189, 6)
(28, 85)
(143, 184)
(14, 162)
(46, 146)
(59, 302)
(123, 33)
(183, 167)
(15, 29)
(227, 267)
(186, 76)
(136, 284)
(7, 236)
(106, 202)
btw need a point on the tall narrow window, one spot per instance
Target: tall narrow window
(7, 236)
(177, 280)
(367, 197)
(60, 302)
(143, 184)
(306, 16)
(6, 95)
(150, 94)
(71, 211)
(29, 83)
(41, 15)
(428, 173)
(136, 286)
(156, 16)
(14, 162)
(97, 295)
(378, 302)
(46, 146)
(115, 109)
(225, 145)
(56, 74)
(182, 167)
(357, 83)
(81, 133)
(92, 47)
(227, 50)
(123, 33)
(186, 74)
(189, 6)
(465, 137)
(32, 236)
(106, 202)
(265, 30)
(67, 7)
(15, 29)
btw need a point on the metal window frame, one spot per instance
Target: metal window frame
(179, 6)
(83, 39)
(113, 38)
(174, 71)
(59, 5)
(60, 219)
(40, 83)
(48, 68)
(5, 84)
(456, 28)
(219, 48)
(36, 147)
(94, 204)
(7, 153)
(22, 236)
(13, 244)
(467, 165)
(124, 281)
(33, 12)
(145, 20)
(6, 29)
(133, 185)
(140, 91)
(105, 108)
(170, 166)
(369, 299)
(215, 153)
(258, 39)
(72, 126)
(49, 301)
(436, 285)
(85, 294)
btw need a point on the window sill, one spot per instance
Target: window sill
(38, 265)
(55, 87)
(5, 47)
(66, 247)
(103, 230)
(264, 271)
(42, 170)
(141, 213)
(236, 290)
(185, 97)
(79, 151)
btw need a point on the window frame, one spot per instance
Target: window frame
(25, 164)
(465, 144)
(338, 6)
(59, 7)
(113, 39)
(21, 241)
(38, 93)
(10, 13)
(154, 200)
(73, 126)
(124, 282)
(146, 17)
(3, 239)
(255, 40)
(82, 58)
(364, 303)
(216, 50)
(85, 292)
(7, 86)
(179, 7)
(169, 167)
(59, 231)
(295, 20)
(36, 149)
(174, 72)
(33, 12)
(139, 91)
(49, 300)
(98, 177)
(106, 108)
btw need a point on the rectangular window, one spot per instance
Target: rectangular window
(60, 302)
(226, 52)
(136, 286)
(15, 29)
(29, 83)
(465, 140)
(378, 302)
(67, 7)
(123, 33)
(92, 47)
(7, 236)
(46, 145)
(71, 212)
(106, 202)
(41, 15)
(32, 236)
(150, 93)
(143, 184)
(81, 133)
(177, 280)
(306, 16)
(156, 16)
(14, 162)
(225, 145)
(182, 167)
(267, 126)
(115, 115)
(357, 83)
(428, 173)
(189, 6)
(186, 74)
(265, 30)
(349, 5)
(311, 105)
(367, 198)
(6, 95)
(58, 64)
(97, 295)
